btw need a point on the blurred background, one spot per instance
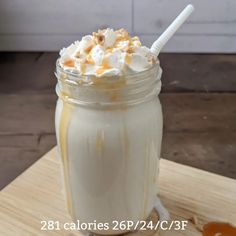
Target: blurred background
(199, 78)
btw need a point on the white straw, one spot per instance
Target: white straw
(173, 27)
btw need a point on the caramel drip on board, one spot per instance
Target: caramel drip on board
(63, 138)
(218, 229)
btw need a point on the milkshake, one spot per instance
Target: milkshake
(109, 128)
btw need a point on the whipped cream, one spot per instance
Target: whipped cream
(106, 53)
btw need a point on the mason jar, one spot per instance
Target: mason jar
(109, 133)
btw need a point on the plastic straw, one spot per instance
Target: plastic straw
(169, 32)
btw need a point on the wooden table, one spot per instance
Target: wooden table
(36, 195)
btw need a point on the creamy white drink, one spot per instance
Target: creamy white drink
(109, 128)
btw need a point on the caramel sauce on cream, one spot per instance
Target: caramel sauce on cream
(69, 63)
(109, 50)
(88, 49)
(219, 229)
(105, 66)
(90, 60)
(83, 57)
(82, 68)
(128, 58)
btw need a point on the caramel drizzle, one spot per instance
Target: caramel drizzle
(63, 142)
(100, 143)
(69, 63)
(128, 58)
(82, 68)
(99, 38)
(89, 60)
(105, 66)
(122, 35)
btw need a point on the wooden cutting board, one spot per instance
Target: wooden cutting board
(37, 195)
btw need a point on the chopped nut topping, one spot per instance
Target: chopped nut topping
(77, 55)
(109, 50)
(88, 49)
(130, 49)
(69, 63)
(128, 59)
(82, 68)
(89, 60)
(117, 50)
(122, 35)
(99, 38)
(83, 60)
(135, 38)
(152, 59)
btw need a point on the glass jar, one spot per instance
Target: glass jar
(109, 133)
